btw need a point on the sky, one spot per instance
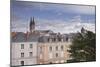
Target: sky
(63, 18)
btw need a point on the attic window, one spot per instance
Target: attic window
(54, 39)
(66, 38)
(59, 39)
(48, 39)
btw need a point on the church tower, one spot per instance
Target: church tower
(32, 25)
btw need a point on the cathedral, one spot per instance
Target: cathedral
(32, 25)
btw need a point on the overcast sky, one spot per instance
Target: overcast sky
(61, 18)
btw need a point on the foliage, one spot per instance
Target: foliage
(83, 47)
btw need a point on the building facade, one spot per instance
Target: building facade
(39, 47)
(24, 53)
(53, 50)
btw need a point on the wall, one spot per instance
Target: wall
(16, 53)
(45, 56)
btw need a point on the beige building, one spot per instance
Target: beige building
(52, 49)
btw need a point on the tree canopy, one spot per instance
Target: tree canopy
(83, 46)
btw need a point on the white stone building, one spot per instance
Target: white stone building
(24, 53)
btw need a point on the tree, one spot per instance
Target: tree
(83, 46)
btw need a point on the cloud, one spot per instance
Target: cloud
(72, 25)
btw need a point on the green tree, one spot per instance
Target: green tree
(83, 46)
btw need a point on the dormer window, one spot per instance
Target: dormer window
(59, 39)
(66, 38)
(48, 39)
(54, 39)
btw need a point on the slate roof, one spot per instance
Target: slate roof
(31, 37)
(53, 37)
(22, 37)
(19, 36)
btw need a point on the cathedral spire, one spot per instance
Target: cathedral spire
(32, 24)
(33, 21)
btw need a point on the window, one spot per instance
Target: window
(30, 54)
(59, 39)
(31, 45)
(56, 47)
(54, 39)
(50, 48)
(22, 46)
(66, 38)
(62, 47)
(48, 39)
(56, 54)
(22, 54)
(22, 63)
